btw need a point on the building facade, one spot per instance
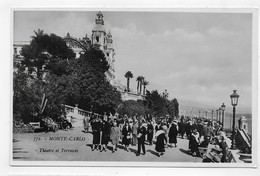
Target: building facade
(99, 38)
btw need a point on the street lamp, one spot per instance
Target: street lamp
(234, 100)
(223, 110)
(217, 115)
(219, 110)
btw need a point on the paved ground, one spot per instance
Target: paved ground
(74, 145)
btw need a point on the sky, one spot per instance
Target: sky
(200, 58)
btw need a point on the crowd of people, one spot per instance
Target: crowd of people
(161, 132)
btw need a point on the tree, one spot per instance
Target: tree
(47, 52)
(176, 107)
(160, 106)
(128, 75)
(131, 108)
(145, 83)
(94, 88)
(165, 94)
(141, 83)
(68, 81)
(138, 79)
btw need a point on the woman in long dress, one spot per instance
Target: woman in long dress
(96, 129)
(194, 142)
(160, 139)
(86, 123)
(150, 131)
(114, 136)
(105, 131)
(126, 135)
(173, 133)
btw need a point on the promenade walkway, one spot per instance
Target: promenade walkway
(74, 145)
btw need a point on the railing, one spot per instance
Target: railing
(78, 111)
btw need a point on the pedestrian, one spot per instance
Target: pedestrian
(134, 132)
(188, 129)
(114, 136)
(141, 131)
(105, 133)
(150, 131)
(173, 133)
(126, 135)
(96, 129)
(161, 140)
(194, 142)
(86, 120)
(224, 147)
(181, 126)
(157, 126)
(120, 123)
(165, 129)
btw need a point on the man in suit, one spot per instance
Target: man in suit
(141, 132)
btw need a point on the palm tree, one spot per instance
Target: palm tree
(128, 75)
(141, 83)
(38, 33)
(138, 79)
(145, 83)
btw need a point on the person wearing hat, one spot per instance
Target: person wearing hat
(194, 142)
(105, 133)
(96, 129)
(134, 132)
(224, 147)
(86, 120)
(173, 132)
(126, 135)
(141, 132)
(150, 131)
(161, 140)
(114, 136)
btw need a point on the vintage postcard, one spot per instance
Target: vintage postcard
(124, 88)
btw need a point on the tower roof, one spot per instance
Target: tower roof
(99, 23)
(99, 19)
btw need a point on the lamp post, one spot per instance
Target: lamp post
(234, 100)
(220, 120)
(217, 115)
(223, 110)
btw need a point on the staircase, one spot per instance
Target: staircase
(76, 115)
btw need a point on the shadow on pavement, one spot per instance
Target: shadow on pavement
(133, 151)
(185, 151)
(89, 145)
(154, 153)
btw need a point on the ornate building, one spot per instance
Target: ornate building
(100, 39)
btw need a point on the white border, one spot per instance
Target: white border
(5, 12)
(152, 164)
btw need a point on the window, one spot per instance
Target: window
(97, 39)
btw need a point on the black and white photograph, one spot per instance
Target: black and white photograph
(155, 86)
